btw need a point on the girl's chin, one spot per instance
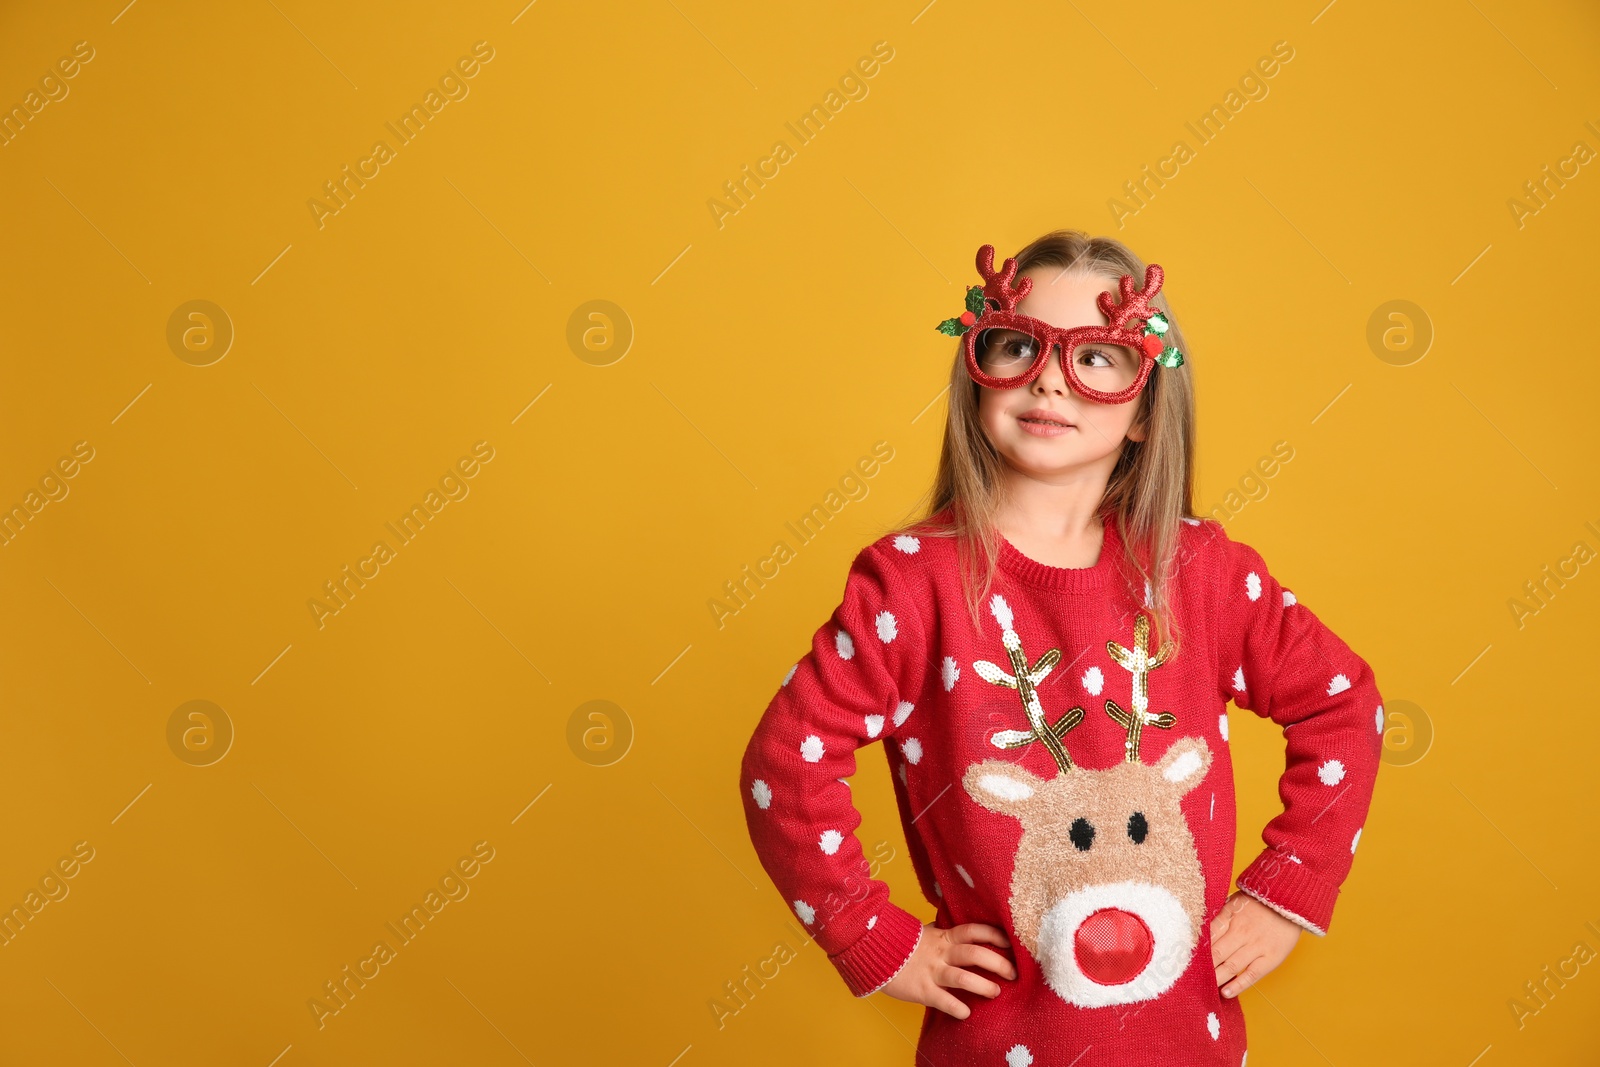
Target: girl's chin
(1071, 441)
(1044, 457)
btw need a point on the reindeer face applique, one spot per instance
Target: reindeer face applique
(1107, 892)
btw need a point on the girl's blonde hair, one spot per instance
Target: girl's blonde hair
(1150, 490)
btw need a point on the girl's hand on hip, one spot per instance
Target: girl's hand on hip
(936, 966)
(1248, 939)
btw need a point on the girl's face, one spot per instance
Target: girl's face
(1094, 439)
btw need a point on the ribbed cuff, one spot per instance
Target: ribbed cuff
(879, 954)
(1290, 889)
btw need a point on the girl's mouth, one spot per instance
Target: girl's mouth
(1044, 427)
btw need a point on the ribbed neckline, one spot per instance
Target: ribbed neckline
(1064, 579)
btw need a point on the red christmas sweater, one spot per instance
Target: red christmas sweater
(1062, 779)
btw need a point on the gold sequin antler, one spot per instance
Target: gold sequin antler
(1140, 664)
(1023, 679)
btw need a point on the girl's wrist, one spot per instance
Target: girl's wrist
(879, 954)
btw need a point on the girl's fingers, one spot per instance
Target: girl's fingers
(1238, 973)
(1228, 964)
(978, 956)
(957, 978)
(969, 932)
(949, 1004)
(1223, 946)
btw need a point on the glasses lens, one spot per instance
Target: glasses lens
(1005, 353)
(1107, 368)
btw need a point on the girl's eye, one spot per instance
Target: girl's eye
(1095, 353)
(1014, 345)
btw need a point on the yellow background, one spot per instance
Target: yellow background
(769, 354)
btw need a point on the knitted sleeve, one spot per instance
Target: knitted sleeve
(853, 687)
(1279, 660)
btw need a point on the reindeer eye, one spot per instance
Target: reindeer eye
(1137, 827)
(1082, 834)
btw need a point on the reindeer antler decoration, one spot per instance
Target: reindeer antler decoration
(1135, 303)
(1137, 661)
(996, 287)
(1024, 680)
(997, 284)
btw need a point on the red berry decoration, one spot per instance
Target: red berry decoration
(968, 318)
(1152, 345)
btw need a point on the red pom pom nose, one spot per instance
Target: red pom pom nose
(1113, 946)
(1153, 344)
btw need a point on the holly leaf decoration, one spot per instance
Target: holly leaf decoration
(975, 309)
(1170, 357)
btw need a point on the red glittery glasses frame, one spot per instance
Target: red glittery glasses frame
(999, 292)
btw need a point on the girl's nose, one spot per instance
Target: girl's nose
(1052, 380)
(1050, 376)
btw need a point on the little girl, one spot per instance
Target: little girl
(1050, 651)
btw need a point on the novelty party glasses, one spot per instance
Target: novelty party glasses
(1107, 364)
